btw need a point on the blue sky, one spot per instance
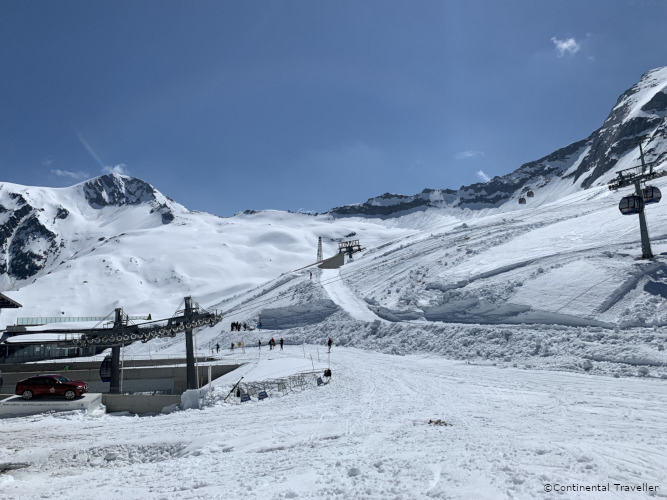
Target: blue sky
(307, 105)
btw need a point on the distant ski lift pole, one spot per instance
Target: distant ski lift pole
(349, 247)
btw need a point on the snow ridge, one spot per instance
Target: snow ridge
(638, 116)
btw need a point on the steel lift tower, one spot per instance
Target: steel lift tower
(636, 203)
(123, 331)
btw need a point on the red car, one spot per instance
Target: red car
(50, 385)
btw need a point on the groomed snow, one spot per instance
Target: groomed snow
(339, 292)
(504, 433)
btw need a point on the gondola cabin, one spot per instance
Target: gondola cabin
(522, 201)
(651, 195)
(530, 194)
(630, 205)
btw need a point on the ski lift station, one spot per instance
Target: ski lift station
(135, 385)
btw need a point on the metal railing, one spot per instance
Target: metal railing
(292, 383)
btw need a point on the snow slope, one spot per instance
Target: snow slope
(549, 273)
(344, 297)
(504, 434)
(150, 269)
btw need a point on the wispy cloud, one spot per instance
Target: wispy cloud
(482, 176)
(467, 155)
(117, 169)
(569, 46)
(77, 176)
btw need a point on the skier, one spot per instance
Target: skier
(272, 343)
(232, 346)
(281, 344)
(330, 343)
(217, 347)
(259, 344)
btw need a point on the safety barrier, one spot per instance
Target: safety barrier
(293, 383)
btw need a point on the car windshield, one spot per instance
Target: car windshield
(61, 379)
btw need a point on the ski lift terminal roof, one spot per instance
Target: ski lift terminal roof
(6, 303)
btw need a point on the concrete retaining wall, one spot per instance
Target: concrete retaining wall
(138, 404)
(15, 406)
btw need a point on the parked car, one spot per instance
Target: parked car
(50, 385)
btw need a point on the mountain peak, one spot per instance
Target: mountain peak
(639, 116)
(116, 189)
(34, 221)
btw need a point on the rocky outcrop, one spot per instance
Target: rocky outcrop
(30, 248)
(116, 190)
(25, 242)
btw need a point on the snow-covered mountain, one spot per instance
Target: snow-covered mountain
(497, 287)
(41, 225)
(500, 282)
(116, 241)
(638, 116)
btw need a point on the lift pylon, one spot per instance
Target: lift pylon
(123, 331)
(320, 256)
(634, 204)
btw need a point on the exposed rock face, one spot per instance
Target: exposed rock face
(388, 204)
(30, 248)
(638, 116)
(25, 242)
(115, 190)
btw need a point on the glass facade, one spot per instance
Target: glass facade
(69, 319)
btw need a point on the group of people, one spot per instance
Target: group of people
(272, 343)
(236, 326)
(216, 348)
